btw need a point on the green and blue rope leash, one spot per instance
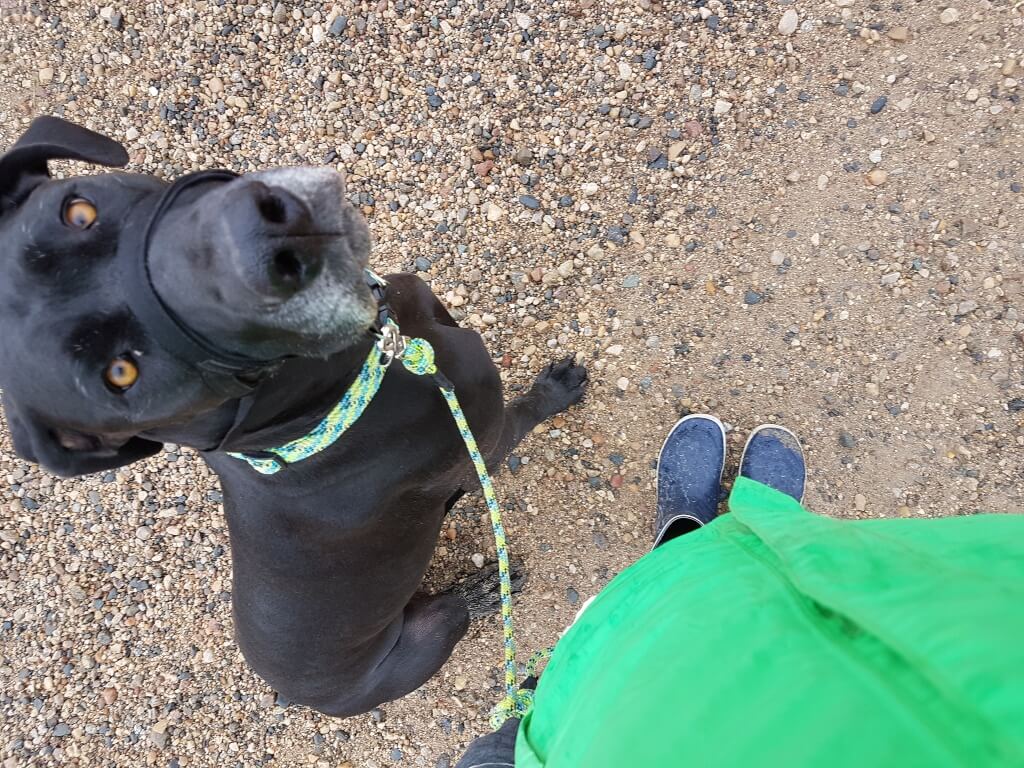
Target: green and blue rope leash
(417, 355)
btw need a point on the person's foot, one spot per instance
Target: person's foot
(773, 457)
(689, 476)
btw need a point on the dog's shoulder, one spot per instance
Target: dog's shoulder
(414, 302)
(461, 352)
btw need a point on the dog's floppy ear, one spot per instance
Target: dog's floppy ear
(69, 453)
(51, 138)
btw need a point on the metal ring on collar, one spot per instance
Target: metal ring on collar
(391, 344)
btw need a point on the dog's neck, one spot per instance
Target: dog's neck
(284, 407)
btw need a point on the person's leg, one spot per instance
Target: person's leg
(773, 457)
(689, 476)
(494, 750)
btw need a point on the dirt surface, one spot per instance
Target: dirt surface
(815, 221)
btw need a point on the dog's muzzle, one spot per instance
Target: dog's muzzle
(224, 371)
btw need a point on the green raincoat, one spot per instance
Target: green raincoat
(775, 637)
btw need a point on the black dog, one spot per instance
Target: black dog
(231, 313)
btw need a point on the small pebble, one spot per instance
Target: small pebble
(524, 156)
(338, 26)
(495, 212)
(876, 177)
(789, 22)
(966, 307)
(722, 106)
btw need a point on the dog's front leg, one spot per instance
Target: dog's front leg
(557, 388)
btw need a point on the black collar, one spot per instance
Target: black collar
(379, 288)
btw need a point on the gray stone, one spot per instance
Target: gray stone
(338, 26)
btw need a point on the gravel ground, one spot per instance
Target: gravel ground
(808, 213)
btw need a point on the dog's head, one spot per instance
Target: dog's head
(128, 304)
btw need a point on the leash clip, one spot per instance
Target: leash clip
(391, 344)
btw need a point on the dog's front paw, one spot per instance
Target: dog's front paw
(560, 386)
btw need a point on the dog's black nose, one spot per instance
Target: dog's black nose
(274, 238)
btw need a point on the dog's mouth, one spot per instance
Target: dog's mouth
(73, 440)
(274, 264)
(96, 444)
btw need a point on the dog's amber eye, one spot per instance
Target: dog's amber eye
(79, 213)
(121, 373)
